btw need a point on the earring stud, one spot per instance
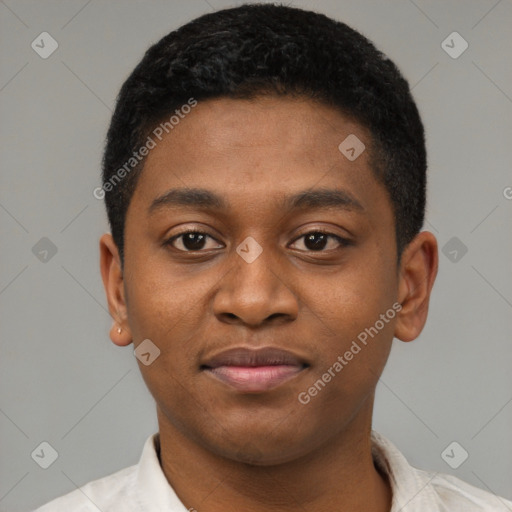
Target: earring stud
(119, 330)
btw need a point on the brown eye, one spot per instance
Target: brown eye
(190, 241)
(318, 240)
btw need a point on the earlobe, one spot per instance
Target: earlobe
(418, 270)
(113, 282)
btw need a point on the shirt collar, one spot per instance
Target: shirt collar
(410, 487)
(153, 490)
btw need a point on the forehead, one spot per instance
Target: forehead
(252, 152)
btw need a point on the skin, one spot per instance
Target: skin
(222, 449)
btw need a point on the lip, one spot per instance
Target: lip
(254, 370)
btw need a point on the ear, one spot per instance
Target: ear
(113, 282)
(418, 270)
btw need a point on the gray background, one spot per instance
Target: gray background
(64, 382)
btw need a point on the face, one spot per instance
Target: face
(271, 264)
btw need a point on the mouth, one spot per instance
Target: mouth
(254, 371)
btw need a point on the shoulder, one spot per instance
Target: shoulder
(455, 494)
(416, 490)
(111, 493)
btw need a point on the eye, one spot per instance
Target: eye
(194, 240)
(317, 240)
(191, 240)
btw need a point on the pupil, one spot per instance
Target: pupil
(193, 241)
(318, 244)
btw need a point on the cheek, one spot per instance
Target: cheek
(168, 307)
(164, 312)
(158, 299)
(354, 300)
(355, 313)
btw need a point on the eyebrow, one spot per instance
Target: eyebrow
(307, 199)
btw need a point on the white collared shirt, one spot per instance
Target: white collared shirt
(143, 487)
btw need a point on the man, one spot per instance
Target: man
(264, 178)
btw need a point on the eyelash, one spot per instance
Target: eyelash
(342, 241)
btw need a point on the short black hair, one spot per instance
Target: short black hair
(257, 49)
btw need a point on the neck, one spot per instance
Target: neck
(339, 475)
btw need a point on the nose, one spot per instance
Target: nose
(256, 292)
